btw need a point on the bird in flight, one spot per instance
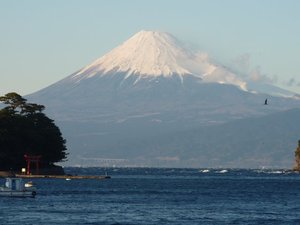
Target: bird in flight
(266, 101)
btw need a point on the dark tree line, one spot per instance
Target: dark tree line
(25, 129)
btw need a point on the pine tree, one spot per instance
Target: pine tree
(25, 129)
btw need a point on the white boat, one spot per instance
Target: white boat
(15, 187)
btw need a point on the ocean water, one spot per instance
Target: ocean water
(161, 196)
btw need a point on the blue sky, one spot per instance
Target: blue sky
(43, 41)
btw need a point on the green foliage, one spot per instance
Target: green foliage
(25, 129)
(297, 158)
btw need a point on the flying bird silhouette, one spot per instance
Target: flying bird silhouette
(266, 101)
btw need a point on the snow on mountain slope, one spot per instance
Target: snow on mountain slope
(150, 54)
(151, 98)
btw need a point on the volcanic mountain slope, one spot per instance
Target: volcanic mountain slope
(143, 74)
(150, 54)
(149, 85)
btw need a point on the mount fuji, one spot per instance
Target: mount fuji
(151, 54)
(120, 109)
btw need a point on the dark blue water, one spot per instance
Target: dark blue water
(161, 196)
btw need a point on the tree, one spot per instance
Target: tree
(25, 129)
(15, 102)
(297, 158)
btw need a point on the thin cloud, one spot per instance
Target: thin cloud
(291, 82)
(242, 64)
(244, 69)
(256, 75)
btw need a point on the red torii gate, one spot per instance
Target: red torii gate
(32, 158)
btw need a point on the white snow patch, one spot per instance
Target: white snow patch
(153, 54)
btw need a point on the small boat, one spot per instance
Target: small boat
(15, 187)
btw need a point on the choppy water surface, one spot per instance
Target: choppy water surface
(161, 196)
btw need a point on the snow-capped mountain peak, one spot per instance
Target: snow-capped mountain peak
(146, 53)
(153, 54)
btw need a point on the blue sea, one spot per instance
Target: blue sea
(161, 196)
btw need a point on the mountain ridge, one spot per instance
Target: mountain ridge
(104, 108)
(150, 54)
